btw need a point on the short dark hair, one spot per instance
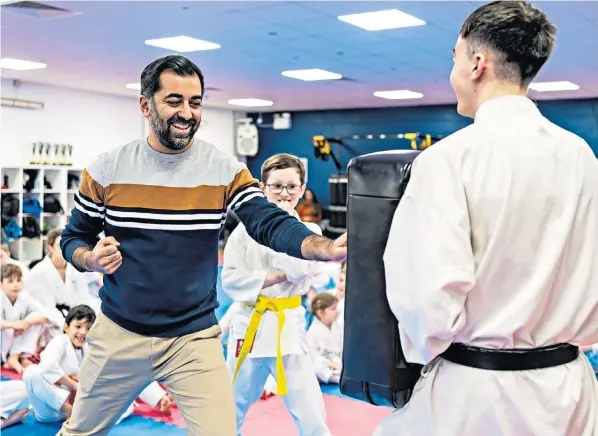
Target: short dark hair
(150, 76)
(80, 312)
(282, 161)
(520, 33)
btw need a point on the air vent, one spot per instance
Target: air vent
(35, 9)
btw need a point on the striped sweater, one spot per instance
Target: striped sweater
(167, 212)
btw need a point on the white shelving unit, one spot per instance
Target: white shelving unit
(29, 249)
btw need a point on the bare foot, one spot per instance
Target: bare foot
(165, 405)
(67, 409)
(15, 418)
(14, 364)
(25, 362)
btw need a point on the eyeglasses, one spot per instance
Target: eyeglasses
(277, 188)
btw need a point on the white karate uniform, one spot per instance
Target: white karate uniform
(495, 244)
(61, 358)
(27, 342)
(13, 397)
(246, 265)
(46, 286)
(225, 325)
(325, 345)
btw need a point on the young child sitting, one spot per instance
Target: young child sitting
(325, 338)
(21, 320)
(52, 384)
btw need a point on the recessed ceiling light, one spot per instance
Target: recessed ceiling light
(312, 74)
(402, 94)
(250, 102)
(18, 64)
(136, 86)
(382, 20)
(553, 86)
(183, 44)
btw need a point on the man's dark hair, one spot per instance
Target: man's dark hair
(80, 312)
(516, 31)
(150, 76)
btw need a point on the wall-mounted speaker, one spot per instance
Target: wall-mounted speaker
(247, 137)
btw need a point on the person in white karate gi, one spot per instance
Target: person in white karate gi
(57, 285)
(53, 383)
(492, 257)
(225, 324)
(271, 284)
(325, 338)
(14, 403)
(21, 321)
(6, 258)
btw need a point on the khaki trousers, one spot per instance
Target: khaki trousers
(119, 364)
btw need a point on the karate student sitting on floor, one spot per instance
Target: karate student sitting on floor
(53, 383)
(270, 285)
(14, 403)
(21, 321)
(325, 338)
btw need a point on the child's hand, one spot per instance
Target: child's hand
(165, 404)
(334, 366)
(20, 327)
(285, 205)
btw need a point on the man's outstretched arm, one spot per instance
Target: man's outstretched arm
(273, 227)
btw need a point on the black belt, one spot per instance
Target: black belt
(511, 359)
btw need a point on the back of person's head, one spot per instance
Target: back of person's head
(283, 161)
(4, 253)
(80, 312)
(321, 302)
(520, 36)
(11, 272)
(150, 76)
(52, 236)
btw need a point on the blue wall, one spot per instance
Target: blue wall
(578, 116)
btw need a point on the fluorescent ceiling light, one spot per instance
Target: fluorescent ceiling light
(250, 102)
(18, 64)
(402, 94)
(136, 86)
(182, 44)
(310, 75)
(554, 86)
(382, 20)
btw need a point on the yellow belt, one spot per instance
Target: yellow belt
(261, 306)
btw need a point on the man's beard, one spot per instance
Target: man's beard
(167, 138)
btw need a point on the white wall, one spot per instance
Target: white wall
(91, 122)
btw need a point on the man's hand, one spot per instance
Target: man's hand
(105, 257)
(316, 247)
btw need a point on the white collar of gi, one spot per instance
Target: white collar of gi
(511, 106)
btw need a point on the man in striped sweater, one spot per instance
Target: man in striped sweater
(161, 201)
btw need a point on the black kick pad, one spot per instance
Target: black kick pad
(374, 368)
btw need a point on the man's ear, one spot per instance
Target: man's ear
(480, 63)
(144, 104)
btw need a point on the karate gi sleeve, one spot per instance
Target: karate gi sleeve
(50, 360)
(39, 293)
(265, 222)
(298, 270)
(87, 217)
(429, 264)
(239, 281)
(227, 319)
(314, 348)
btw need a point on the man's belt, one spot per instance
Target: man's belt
(263, 304)
(511, 359)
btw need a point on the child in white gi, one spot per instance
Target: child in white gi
(14, 403)
(21, 320)
(270, 286)
(325, 338)
(53, 383)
